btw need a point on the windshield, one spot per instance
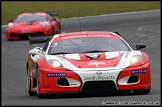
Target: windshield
(33, 18)
(83, 45)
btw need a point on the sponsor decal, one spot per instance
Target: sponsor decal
(83, 36)
(96, 63)
(98, 78)
(70, 37)
(56, 74)
(139, 71)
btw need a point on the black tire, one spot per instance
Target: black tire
(10, 40)
(60, 29)
(38, 91)
(144, 91)
(29, 84)
(29, 87)
(53, 30)
(38, 87)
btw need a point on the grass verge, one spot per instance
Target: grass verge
(66, 9)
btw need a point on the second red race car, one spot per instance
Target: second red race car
(33, 24)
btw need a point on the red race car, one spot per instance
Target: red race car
(87, 61)
(33, 24)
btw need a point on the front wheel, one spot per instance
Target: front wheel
(38, 88)
(144, 91)
(60, 29)
(29, 86)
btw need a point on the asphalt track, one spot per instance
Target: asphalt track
(142, 27)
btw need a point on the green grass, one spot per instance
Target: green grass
(66, 9)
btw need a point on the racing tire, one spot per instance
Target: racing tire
(59, 29)
(38, 91)
(29, 87)
(144, 91)
(9, 39)
(38, 88)
(53, 30)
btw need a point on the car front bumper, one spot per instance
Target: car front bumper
(16, 34)
(64, 81)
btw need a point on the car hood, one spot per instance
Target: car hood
(94, 61)
(25, 24)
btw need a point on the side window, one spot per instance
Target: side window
(45, 46)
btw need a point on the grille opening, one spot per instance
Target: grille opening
(133, 79)
(99, 86)
(14, 34)
(25, 35)
(63, 82)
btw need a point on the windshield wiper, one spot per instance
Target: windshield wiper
(95, 51)
(30, 22)
(59, 53)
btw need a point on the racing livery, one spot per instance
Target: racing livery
(33, 24)
(87, 61)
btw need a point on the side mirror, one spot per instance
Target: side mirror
(10, 20)
(36, 51)
(140, 46)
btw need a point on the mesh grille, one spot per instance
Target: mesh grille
(99, 86)
(25, 35)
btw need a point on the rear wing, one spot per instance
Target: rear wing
(38, 40)
(52, 14)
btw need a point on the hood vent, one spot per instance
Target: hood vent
(90, 57)
(85, 57)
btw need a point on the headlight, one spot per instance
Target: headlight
(10, 25)
(44, 23)
(135, 58)
(55, 63)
